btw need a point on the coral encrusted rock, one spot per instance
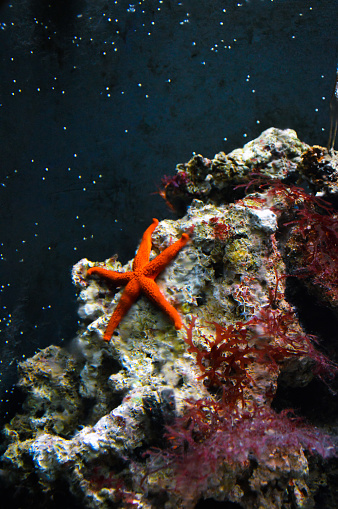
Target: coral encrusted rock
(159, 418)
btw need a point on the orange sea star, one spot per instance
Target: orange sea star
(141, 280)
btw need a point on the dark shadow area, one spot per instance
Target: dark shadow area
(321, 322)
(21, 497)
(301, 400)
(210, 503)
(315, 316)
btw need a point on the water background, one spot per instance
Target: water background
(100, 99)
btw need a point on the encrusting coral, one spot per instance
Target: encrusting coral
(160, 417)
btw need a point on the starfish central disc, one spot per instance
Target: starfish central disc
(141, 280)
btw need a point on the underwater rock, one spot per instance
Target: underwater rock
(275, 154)
(320, 168)
(161, 418)
(53, 403)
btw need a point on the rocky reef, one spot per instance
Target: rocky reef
(160, 418)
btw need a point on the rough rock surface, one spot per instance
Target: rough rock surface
(96, 415)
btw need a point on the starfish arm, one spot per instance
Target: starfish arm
(155, 267)
(152, 291)
(128, 297)
(141, 279)
(142, 255)
(118, 278)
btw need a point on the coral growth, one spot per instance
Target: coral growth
(211, 440)
(313, 247)
(232, 430)
(224, 361)
(160, 418)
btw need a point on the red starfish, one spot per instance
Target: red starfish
(141, 280)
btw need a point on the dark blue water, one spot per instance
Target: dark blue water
(100, 99)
